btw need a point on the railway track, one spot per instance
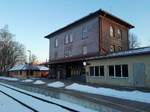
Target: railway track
(33, 96)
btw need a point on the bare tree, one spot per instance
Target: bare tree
(133, 41)
(33, 59)
(11, 52)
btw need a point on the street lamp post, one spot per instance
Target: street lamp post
(29, 56)
(28, 71)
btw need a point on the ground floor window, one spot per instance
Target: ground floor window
(91, 71)
(97, 71)
(118, 70)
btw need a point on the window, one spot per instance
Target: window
(84, 50)
(84, 32)
(96, 70)
(111, 70)
(125, 70)
(66, 39)
(101, 71)
(112, 48)
(91, 71)
(119, 33)
(56, 42)
(70, 52)
(118, 70)
(111, 31)
(66, 53)
(70, 38)
(119, 48)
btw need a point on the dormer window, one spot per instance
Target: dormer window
(111, 30)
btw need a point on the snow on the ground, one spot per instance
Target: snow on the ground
(27, 80)
(58, 101)
(34, 103)
(9, 105)
(39, 82)
(129, 95)
(9, 78)
(56, 84)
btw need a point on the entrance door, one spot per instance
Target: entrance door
(138, 74)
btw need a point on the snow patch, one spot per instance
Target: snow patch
(129, 95)
(9, 105)
(39, 82)
(52, 109)
(57, 84)
(27, 80)
(9, 78)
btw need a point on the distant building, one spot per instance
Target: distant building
(27, 70)
(99, 33)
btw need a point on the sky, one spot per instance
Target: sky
(31, 20)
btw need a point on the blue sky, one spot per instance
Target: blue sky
(31, 20)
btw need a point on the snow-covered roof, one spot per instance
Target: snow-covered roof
(137, 51)
(24, 67)
(42, 68)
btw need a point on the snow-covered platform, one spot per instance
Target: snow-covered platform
(87, 96)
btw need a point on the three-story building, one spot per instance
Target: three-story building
(98, 33)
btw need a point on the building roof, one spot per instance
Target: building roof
(25, 67)
(132, 52)
(91, 15)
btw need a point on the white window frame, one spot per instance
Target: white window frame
(111, 31)
(56, 42)
(71, 38)
(84, 50)
(115, 71)
(66, 39)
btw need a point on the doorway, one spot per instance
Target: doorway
(139, 74)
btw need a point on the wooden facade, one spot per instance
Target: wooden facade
(28, 71)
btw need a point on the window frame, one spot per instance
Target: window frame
(84, 32)
(56, 42)
(99, 71)
(119, 33)
(84, 48)
(114, 67)
(93, 74)
(70, 38)
(66, 39)
(111, 31)
(112, 46)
